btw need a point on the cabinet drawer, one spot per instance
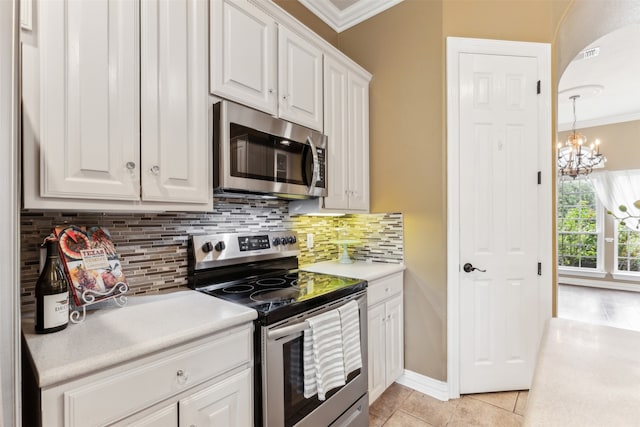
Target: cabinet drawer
(381, 289)
(109, 399)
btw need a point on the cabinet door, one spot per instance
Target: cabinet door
(243, 54)
(376, 326)
(336, 129)
(165, 417)
(89, 99)
(299, 80)
(358, 143)
(227, 403)
(394, 340)
(174, 134)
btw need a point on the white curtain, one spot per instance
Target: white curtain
(615, 188)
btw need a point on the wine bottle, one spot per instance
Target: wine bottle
(52, 295)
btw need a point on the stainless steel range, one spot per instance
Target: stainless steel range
(260, 270)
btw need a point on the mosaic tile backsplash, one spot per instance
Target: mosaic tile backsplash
(153, 246)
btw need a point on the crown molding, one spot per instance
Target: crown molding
(341, 20)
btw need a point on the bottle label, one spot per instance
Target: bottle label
(56, 310)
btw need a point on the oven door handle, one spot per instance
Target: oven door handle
(287, 330)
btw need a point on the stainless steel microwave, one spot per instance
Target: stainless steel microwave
(256, 154)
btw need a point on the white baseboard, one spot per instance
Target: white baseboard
(604, 284)
(424, 384)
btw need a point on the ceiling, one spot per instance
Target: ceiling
(608, 84)
(343, 14)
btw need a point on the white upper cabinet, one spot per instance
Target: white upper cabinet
(299, 80)
(358, 142)
(243, 53)
(335, 119)
(346, 119)
(116, 103)
(174, 107)
(259, 62)
(89, 95)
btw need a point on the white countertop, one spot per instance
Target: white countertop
(586, 375)
(112, 335)
(357, 270)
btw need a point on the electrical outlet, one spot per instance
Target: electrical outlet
(309, 241)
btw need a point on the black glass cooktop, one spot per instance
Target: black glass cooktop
(279, 296)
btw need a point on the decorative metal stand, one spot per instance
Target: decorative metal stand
(117, 294)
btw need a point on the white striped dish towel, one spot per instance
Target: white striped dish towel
(310, 387)
(328, 355)
(350, 321)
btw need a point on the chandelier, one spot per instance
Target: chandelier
(574, 157)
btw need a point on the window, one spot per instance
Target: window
(578, 225)
(627, 249)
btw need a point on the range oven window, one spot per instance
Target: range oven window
(296, 407)
(259, 155)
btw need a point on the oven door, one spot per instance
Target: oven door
(283, 401)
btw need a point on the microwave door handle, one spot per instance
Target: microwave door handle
(315, 166)
(287, 330)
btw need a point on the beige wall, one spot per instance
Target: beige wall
(620, 143)
(404, 49)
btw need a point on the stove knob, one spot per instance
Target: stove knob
(276, 241)
(207, 247)
(220, 246)
(292, 239)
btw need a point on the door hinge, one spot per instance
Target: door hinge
(539, 269)
(539, 177)
(538, 87)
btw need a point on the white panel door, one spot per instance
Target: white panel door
(228, 403)
(336, 128)
(244, 59)
(174, 109)
(358, 143)
(89, 99)
(499, 308)
(299, 80)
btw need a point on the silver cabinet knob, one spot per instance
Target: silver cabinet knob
(182, 376)
(271, 91)
(285, 97)
(131, 165)
(155, 169)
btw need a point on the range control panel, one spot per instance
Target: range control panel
(211, 250)
(253, 243)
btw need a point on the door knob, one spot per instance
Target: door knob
(468, 268)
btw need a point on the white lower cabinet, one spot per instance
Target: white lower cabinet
(386, 339)
(207, 382)
(218, 403)
(226, 403)
(164, 417)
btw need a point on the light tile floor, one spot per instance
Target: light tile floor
(400, 406)
(620, 309)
